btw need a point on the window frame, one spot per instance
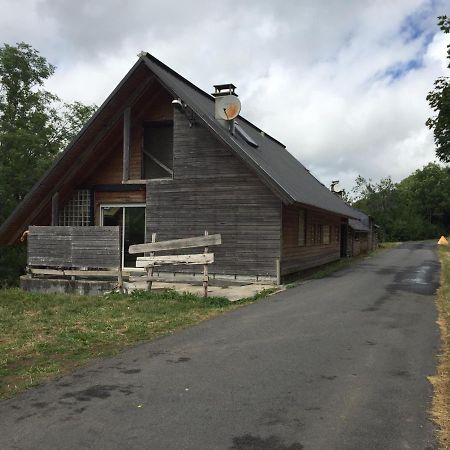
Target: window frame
(301, 240)
(144, 155)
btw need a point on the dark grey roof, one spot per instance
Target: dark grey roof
(282, 172)
(357, 225)
(362, 221)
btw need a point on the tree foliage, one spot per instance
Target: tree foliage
(439, 101)
(35, 125)
(416, 208)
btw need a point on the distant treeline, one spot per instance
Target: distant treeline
(416, 208)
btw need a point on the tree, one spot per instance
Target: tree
(439, 101)
(416, 208)
(35, 125)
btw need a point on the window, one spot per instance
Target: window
(301, 228)
(158, 150)
(336, 233)
(77, 211)
(325, 234)
(131, 220)
(316, 233)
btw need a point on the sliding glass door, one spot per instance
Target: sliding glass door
(131, 220)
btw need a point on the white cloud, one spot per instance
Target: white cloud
(343, 84)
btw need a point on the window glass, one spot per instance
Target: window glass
(158, 150)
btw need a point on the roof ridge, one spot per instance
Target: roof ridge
(205, 94)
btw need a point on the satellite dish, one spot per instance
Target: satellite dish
(227, 107)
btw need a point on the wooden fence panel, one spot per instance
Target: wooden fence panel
(74, 247)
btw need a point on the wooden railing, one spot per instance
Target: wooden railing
(151, 261)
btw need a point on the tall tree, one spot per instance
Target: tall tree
(416, 208)
(34, 126)
(439, 100)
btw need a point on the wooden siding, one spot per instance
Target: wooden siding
(74, 247)
(358, 243)
(213, 190)
(154, 105)
(296, 258)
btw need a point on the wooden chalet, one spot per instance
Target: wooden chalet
(154, 159)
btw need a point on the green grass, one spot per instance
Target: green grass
(441, 382)
(47, 335)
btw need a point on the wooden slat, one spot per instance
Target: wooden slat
(175, 244)
(71, 272)
(73, 247)
(200, 258)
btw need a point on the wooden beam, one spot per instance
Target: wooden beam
(126, 144)
(72, 272)
(157, 161)
(55, 209)
(200, 258)
(87, 153)
(175, 244)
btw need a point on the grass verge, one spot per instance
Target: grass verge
(441, 382)
(48, 335)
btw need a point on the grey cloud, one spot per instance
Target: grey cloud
(315, 74)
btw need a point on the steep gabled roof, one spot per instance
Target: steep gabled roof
(283, 173)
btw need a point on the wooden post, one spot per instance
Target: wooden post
(120, 279)
(205, 273)
(278, 269)
(150, 268)
(55, 209)
(126, 144)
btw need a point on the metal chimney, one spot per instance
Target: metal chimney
(227, 105)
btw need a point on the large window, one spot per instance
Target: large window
(158, 150)
(77, 211)
(131, 220)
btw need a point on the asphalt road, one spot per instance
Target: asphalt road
(336, 363)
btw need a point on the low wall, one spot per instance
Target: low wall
(60, 286)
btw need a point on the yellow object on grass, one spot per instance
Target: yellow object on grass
(442, 241)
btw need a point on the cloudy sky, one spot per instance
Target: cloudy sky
(342, 83)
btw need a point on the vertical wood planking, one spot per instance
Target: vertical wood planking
(150, 268)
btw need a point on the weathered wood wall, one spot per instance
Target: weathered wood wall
(213, 190)
(295, 258)
(154, 105)
(359, 242)
(74, 247)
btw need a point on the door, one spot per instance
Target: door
(131, 220)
